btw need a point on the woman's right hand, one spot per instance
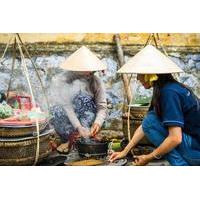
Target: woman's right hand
(117, 155)
(84, 132)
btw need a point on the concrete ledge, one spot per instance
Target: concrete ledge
(100, 48)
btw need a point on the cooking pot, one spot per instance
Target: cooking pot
(90, 147)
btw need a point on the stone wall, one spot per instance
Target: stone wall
(48, 64)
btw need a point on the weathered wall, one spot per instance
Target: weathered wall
(49, 50)
(132, 42)
(169, 39)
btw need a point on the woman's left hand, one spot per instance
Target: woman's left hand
(95, 129)
(142, 160)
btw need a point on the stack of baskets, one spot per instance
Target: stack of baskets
(18, 143)
(137, 114)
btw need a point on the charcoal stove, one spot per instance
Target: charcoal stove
(91, 147)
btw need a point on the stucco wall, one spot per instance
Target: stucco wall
(168, 39)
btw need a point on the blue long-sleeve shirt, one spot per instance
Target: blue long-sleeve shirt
(180, 108)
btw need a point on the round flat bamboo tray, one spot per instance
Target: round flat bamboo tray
(21, 151)
(21, 131)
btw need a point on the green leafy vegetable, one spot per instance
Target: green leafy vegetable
(5, 110)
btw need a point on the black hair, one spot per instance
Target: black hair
(164, 79)
(2, 97)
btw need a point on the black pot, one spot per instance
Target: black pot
(91, 147)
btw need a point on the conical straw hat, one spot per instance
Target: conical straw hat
(83, 60)
(150, 61)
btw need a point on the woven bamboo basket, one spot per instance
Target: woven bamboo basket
(137, 114)
(21, 131)
(22, 151)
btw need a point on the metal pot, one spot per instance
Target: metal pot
(91, 147)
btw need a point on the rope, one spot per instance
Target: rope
(25, 70)
(149, 40)
(129, 81)
(13, 65)
(154, 39)
(35, 67)
(160, 43)
(128, 120)
(164, 51)
(5, 50)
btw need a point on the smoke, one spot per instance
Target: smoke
(65, 86)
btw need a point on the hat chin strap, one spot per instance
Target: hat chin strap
(150, 78)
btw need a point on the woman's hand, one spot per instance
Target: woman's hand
(142, 160)
(95, 129)
(117, 155)
(84, 132)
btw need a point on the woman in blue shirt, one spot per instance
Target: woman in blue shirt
(172, 123)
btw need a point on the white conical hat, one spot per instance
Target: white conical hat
(83, 60)
(150, 61)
